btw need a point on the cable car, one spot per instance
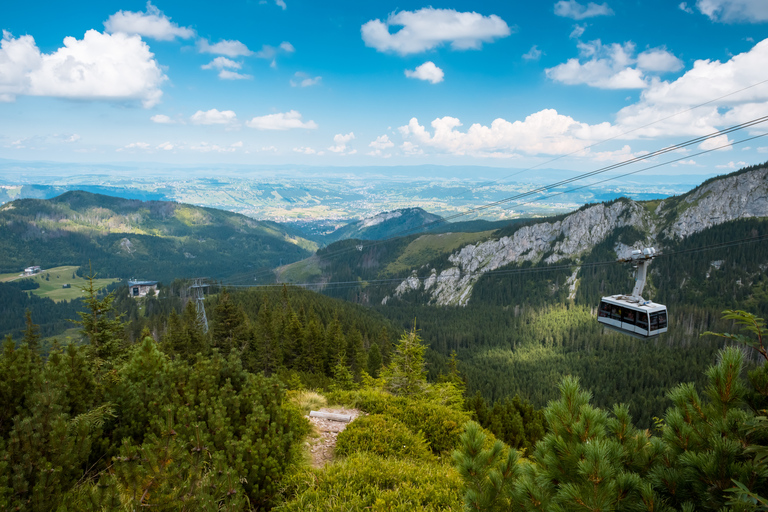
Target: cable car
(631, 314)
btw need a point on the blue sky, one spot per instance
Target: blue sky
(510, 84)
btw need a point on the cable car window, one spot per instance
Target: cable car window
(628, 317)
(662, 319)
(605, 310)
(616, 313)
(642, 320)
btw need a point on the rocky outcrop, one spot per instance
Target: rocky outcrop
(730, 198)
(723, 200)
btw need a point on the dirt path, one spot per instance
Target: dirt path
(321, 447)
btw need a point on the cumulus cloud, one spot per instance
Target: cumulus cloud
(607, 67)
(732, 165)
(341, 141)
(429, 28)
(114, 67)
(225, 67)
(213, 116)
(702, 83)
(152, 23)
(613, 66)
(281, 4)
(574, 10)
(281, 121)
(684, 7)
(72, 138)
(307, 151)
(731, 11)
(533, 54)
(720, 143)
(427, 71)
(380, 144)
(301, 79)
(165, 146)
(658, 60)
(230, 48)
(545, 132)
(161, 119)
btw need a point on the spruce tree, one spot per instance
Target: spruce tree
(406, 373)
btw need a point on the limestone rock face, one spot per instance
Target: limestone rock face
(723, 200)
(737, 197)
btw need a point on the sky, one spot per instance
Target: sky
(569, 84)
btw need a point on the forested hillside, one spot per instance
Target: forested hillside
(130, 238)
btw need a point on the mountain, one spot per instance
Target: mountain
(128, 238)
(444, 269)
(385, 225)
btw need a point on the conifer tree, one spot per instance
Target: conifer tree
(31, 333)
(406, 373)
(374, 360)
(101, 325)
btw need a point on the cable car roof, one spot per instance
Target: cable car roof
(631, 302)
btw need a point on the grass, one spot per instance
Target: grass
(426, 248)
(300, 272)
(58, 277)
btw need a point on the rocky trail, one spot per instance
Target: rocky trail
(323, 444)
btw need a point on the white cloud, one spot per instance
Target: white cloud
(578, 31)
(533, 54)
(545, 132)
(205, 147)
(704, 82)
(684, 7)
(271, 149)
(165, 146)
(135, 145)
(226, 74)
(574, 10)
(721, 141)
(304, 80)
(730, 11)
(409, 148)
(281, 121)
(685, 162)
(307, 151)
(161, 119)
(114, 67)
(429, 28)
(427, 71)
(380, 144)
(607, 67)
(73, 138)
(658, 60)
(225, 67)
(153, 24)
(341, 141)
(762, 150)
(281, 4)
(270, 52)
(229, 48)
(213, 116)
(732, 165)
(222, 63)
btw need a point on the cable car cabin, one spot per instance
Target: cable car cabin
(640, 319)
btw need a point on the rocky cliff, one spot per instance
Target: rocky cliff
(743, 194)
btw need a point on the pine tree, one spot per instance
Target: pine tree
(101, 325)
(406, 373)
(31, 333)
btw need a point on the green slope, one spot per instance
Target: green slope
(150, 240)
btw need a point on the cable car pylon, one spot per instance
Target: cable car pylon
(632, 314)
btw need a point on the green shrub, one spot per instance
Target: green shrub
(381, 435)
(442, 425)
(368, 482)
